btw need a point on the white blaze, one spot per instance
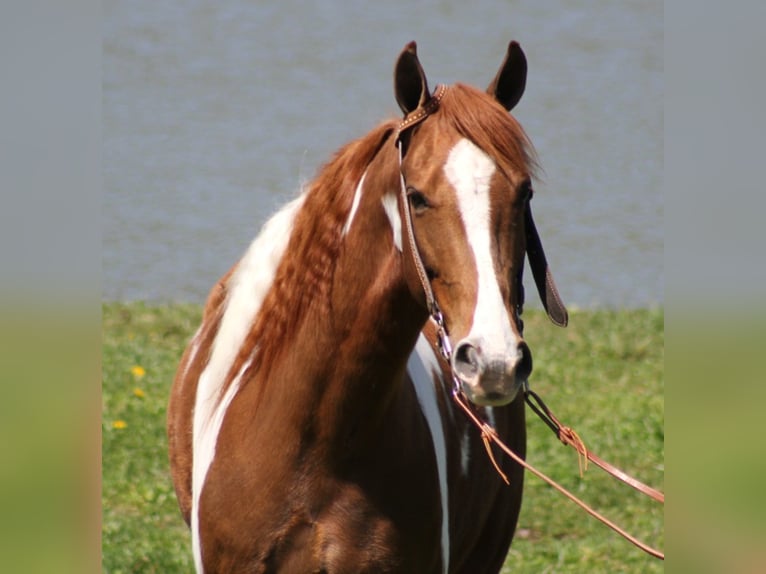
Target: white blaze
(470, 172)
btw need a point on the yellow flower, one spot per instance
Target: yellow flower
(138, 392)
(119, 424)
(138, 371)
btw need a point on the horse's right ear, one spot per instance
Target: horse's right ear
(511, 79)
(410, 85)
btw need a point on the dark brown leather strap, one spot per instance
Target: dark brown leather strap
(418, 115)
(431, 304)
(410, 120)
(549, 295)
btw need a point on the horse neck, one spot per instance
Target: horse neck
(359, 338)
(369, 288)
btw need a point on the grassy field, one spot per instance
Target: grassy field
(603, 375)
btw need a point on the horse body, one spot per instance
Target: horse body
(310, 426)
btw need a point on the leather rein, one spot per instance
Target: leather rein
(556, 311)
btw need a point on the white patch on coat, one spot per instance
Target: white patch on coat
(354, 205)
(422, 366)
(247, 288)
(392, 211)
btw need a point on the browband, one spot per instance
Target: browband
(418, 115)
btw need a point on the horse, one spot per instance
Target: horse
(309, 422)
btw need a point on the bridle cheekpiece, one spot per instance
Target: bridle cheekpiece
(409, 121)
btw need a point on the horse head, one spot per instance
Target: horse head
(467, 169)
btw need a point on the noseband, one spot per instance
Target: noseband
(557, 313)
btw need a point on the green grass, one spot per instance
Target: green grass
(602, 375)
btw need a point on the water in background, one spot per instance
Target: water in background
(214, 113)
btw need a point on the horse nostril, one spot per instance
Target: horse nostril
(466, 361)
(524, 367)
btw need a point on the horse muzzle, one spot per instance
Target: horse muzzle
(491, 379)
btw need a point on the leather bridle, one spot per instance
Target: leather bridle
(546, 287)
(557, 313)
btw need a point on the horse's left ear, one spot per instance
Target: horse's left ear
(508, 85)
(410, 84)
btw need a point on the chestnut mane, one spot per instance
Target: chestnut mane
(306, 271)
(478, 117)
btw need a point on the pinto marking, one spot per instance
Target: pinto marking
(392, 211)
(248, 287)
(422, 366)
(207, 452)
(354, 205)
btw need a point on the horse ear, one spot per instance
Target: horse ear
(508, 85)
(410, 84)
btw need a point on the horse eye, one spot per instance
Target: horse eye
(526, 191)
(418, 201)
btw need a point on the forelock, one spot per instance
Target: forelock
(478, 117)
